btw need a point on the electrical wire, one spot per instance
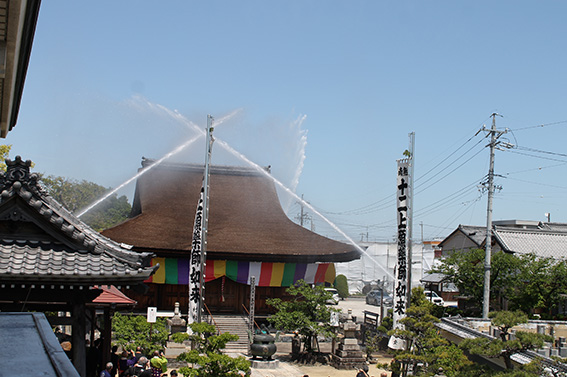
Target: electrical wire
(541, 125)
(540, 151)
(537, 183)
(449, 173)
(531, 155)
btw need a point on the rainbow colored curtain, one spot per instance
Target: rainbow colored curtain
(268, 274)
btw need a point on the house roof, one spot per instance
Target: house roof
(523, 237)
(246, 220)
(544, 243)
(435, 277)
(476, 234)
(40, 241)
(28, 342)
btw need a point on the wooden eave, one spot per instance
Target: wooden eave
(18, 19)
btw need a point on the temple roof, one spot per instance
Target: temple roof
(246, 220)
(41, 242)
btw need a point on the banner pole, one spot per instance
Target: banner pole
(209, 147)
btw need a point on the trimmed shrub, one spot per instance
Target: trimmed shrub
(341, 285)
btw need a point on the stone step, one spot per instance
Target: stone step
(237, 325)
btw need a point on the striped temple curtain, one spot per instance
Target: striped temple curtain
(268, 274)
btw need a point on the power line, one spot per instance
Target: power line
(540, 151)
(537, 183)
(535, 156)
(538, 168)
(541, 125)
(452, 171)
(446, 158)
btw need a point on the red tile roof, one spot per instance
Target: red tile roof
(111, 295)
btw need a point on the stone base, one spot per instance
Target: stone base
(172, 350)
(264, 364)
(347, 362)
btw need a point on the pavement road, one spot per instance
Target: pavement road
(358, 305)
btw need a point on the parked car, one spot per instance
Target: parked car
(334, 300)
(434, 298)
(373, 298)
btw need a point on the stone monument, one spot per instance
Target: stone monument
(348, 354)
(176, 324)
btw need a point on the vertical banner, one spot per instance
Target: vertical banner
(401, 272)
(195, 264)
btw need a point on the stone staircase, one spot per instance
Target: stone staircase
(234, 324)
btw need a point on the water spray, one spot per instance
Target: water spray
(228, 148)
(140, 173)
(239, 155)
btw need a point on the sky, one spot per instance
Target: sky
(325, 92)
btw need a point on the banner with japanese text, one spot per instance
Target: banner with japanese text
(401, 270)
(195, 264)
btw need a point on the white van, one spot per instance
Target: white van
(434, 298)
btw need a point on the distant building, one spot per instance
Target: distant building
(544, 239)
(376, 265)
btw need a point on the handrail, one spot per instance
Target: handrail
(247, 312)
(212, 318)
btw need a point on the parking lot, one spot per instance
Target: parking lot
(358, 305)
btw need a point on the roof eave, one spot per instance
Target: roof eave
(21, 21)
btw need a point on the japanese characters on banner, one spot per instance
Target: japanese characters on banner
(195, 267)
(401, 271)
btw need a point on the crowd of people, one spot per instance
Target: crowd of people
(130, 364)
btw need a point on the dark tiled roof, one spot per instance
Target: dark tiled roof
(28, 341)
(246, 220)
(541, 239)
(477, 234)
(40, 241)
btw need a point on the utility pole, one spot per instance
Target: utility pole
(302, 215)
(494, 135)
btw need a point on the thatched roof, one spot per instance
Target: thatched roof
(246, 221)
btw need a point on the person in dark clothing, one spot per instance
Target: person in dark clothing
(138, 353)
(114, 360)
(362, 371)
(140, 366)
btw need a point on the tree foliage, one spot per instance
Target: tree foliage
(540, 284)
(307, 313)
(206, 357)
(505, 346)
(527, 282)
(4, 154)
(130, 332)
(426, 350)
(341, 284)
(77, 195)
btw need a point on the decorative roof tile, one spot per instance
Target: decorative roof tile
(41, 241)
